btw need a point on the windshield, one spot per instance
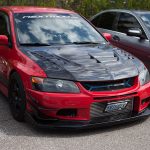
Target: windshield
(48, 28)
(146, 18)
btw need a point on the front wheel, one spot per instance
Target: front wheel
(17, 97)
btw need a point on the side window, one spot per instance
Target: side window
(3, 26)
(106, 20)
(95, 21)
(127, 21)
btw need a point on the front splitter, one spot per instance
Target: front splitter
(55, 123)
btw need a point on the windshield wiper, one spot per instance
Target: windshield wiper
(85, 42)
(35, 44)
(46, 44)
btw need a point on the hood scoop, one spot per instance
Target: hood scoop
(105, 57)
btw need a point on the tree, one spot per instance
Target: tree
(84, 7)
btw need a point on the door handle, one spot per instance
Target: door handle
(116, 38)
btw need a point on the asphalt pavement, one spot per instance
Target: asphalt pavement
(23, 136)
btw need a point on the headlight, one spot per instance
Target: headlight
(144, 76)
(54, 85)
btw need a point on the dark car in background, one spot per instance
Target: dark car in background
(129, 30)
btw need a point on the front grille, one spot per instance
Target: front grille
(117, 97)
(97, 111)
(108, 85)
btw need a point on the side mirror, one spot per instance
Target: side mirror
(134, 32)
(107, 36)
(4, 40)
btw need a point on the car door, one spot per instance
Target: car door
(140, 47)
(4, 49)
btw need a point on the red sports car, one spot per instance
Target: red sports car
(59, 71)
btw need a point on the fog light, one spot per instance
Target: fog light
(67, 112)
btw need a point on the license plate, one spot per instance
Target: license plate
(114, 106)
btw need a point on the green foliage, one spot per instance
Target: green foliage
(84, 7)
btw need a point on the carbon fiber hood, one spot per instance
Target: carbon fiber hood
(84, 63)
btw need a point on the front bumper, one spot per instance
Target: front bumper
(54, 123)
(43, 108)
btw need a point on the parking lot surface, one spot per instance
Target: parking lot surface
(23, 136)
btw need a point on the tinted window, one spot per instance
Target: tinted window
(3, 26)
(106, 20)
(95, 21)
(54, 29)
(127, 21)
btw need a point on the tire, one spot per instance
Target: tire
(17, 97)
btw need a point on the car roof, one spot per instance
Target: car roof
(132, 11)
(127, 10)
(118, 10)
(30, 9)
(141, 11)
(111, 10)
